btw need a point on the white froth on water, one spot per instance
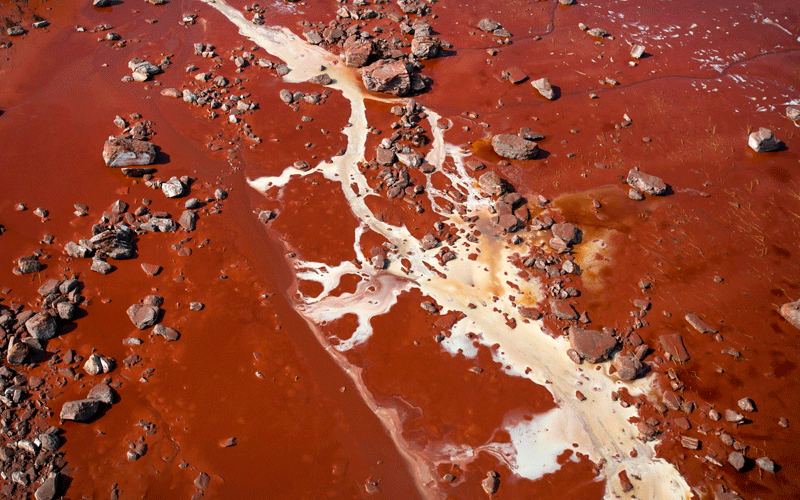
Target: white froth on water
(481, 289)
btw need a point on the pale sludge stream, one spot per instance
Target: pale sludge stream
(600, 429)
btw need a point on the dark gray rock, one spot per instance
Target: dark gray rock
(42, 326)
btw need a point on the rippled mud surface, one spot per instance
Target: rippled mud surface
(361, 311)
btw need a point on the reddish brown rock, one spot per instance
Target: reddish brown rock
(698, 323)
(425, 47)
(390, 77)
(357, 51)
(591, 345)
(673, 345)
(492, 183)
(628, 367)
(562, 309)
(625, 482)
(143, 315)
(567, 232)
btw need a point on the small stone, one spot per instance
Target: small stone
(698, 323)
(151, 269)
(104, 393)
(491, 482)
(487, 25)
(628, 367)
(736, 459)
(637, 51)
(646, 183)
(791, 313)
(101, 266)
(17, 353)
(188, 221)
(173, 188)
(227, 443)
(762, 140)
(635, 195)
(545, 88)
(734, 416)
(143, 316)
(168, 333)
(746, 404)
(766, 464)
(673, 345)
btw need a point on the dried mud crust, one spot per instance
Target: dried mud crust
(629, 243)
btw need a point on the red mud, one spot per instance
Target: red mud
(720, 244)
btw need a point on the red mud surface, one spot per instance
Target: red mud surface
(722, 243)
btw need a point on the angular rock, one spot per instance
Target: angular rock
(736, 459)
(173, 188)
(562, 309)
(82, 410)
(188, 221)
(17, 353)
(323, 79)
(637, 51)
(487, 25)
(168, 333)
(143, 316)
(15, 31)
(591, 345)
(66, 310)
(568, 233)
(628, 367)
(151, 269)
(127, 152)
(97, 364)
(673, 345)
(698, 323)
(50, 489)
(390, 77)
(42, 326)
(765, 464)
(357, 52)
(160, 225)
(491, 483)
(29, 264)
(793, 113)
(384, 156)
(104, 393)
(142, 70)
(762, 140)
(425, 47)
(646, 183)
(115, 243)
(746, 404)
(77, 251)
(514, 147)
(791, 313)
(545, 88)
(101, 266)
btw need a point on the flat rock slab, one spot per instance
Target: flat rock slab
(514, 147)
(390, 77)
(82, 410)
(673, 345)
(698, 323)
(591, 345)
(128, 152)
(143, 316)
